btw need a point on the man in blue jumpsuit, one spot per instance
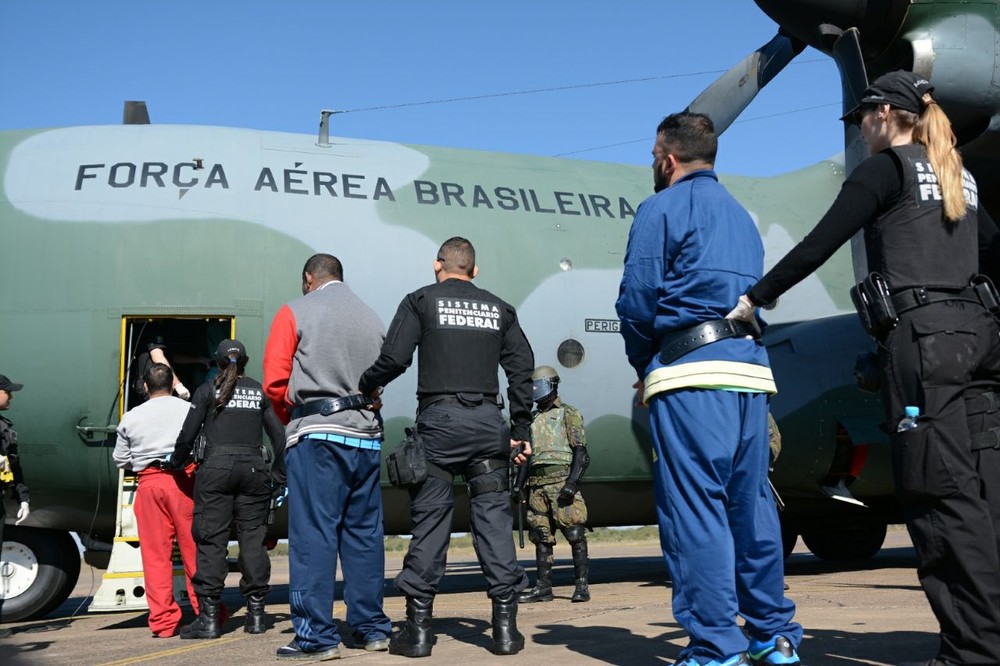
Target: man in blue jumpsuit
(692, 251)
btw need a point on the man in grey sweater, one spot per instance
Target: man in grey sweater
(164, 501)
(318, 347)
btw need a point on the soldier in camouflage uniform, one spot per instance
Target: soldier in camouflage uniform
(558, 462)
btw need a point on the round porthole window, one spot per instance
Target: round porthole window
(570, 353)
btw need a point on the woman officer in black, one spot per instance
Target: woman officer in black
(919, 211)
(232, 483)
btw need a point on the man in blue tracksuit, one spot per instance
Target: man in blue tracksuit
(692, 251)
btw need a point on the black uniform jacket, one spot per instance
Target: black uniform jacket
(464, 333)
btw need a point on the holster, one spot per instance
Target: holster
(199, 448)
(986, 292)
(873, 301)
(407, 465)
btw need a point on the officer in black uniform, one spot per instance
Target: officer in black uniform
(463, 333)
(232, 483)
(920, 214)
(10, 466)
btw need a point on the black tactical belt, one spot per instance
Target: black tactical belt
(917, 297)
(246, 451)
(331, 405)
(678, 344)
(467, 399)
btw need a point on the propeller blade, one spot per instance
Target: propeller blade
(851, 64)
(846, 52)
(727, 96)
(135, 113)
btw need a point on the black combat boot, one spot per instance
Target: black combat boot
(542, 591)
(506, 638)
(206, 625)
(581, 571)
(415, 638)
(255, 615)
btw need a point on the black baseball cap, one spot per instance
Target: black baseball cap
(900, 90)
(227, 347)
(7, 385)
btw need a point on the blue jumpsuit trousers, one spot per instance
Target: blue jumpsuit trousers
(718, 523)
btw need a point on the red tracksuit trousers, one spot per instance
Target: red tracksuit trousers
(163, 510)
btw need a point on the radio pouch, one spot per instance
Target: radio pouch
(873, 302)
(407, 465)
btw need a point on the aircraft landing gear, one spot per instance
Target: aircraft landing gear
(845, 542)
(38, 570)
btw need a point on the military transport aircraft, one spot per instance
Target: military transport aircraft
(113, 234)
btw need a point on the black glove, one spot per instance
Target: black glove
(566, 495)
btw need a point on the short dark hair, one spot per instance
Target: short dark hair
(158, 377)
(689, 136)
(457, 256)
(323, 266)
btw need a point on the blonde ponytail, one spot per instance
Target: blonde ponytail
(933, 130)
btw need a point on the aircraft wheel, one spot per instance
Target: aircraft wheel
(38, 570)
(850, 542)
(789, 537)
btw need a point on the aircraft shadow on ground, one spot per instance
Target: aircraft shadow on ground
(887, 558)
(603, 643)
(615, 645)
(650, 571)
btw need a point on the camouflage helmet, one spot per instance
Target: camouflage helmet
(544, 382)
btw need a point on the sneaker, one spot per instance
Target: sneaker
(778, 651)
(294, 652)
(740, 659)
(375, 644)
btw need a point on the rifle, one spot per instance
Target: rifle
(519, 481)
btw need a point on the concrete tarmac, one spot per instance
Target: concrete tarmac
(871, 612)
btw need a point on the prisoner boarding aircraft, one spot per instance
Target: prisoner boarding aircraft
(112, 234)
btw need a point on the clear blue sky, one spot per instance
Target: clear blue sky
(275, 65)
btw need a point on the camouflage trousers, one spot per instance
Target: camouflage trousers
(545, 515)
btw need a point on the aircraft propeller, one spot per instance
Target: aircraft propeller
(727, 96)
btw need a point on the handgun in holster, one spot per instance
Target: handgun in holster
(272, 506)
(873, 301)
(199, 449)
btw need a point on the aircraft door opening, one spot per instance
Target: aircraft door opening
(187, 342)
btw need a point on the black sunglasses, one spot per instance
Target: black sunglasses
(856, 116)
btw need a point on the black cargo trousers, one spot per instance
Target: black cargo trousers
(231, 488)
(455, 436)
(930, 360)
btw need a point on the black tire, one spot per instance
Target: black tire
(55, 558)
(860, 542)
(789, 537)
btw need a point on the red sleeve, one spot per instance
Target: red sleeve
(278, 352)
